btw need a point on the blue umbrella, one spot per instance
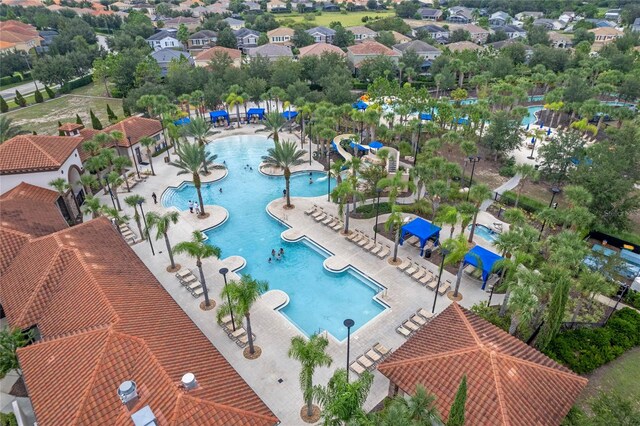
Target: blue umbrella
(533, 140)
(376, 144)
(527, 126)
(549, 131)
(541, 124)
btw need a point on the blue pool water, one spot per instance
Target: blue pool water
(319, 299)
(484, 232)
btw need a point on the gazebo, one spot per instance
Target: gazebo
(361, 105)
(288, 115)
(255, 112)
(217, 115)
(423, 229)
(484, 259)
(182, 121)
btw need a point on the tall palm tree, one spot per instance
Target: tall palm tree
(235, 100)
(284, 156)
(116, 216)
(198, 249)
(9, 130)
(336, 171)
(162, 223)
(341, 195)
(311, 354)
(120, 165)
(458, 249)
(115, 180)
(91, 206)
(97, 164)
(149, 143)
(342, 399)
(134, 201)
(395, 184)
(192, 159)
(274, 121)
(394, 223)
(89, 183)
(526, 172)
(477, 194)
(199, 130)
(416, 409)
(61, 185)
(523, 300)
(448, 215)
(243, 295)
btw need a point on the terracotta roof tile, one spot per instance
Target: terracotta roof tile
(370, 47)
(509, 382)
(135, 128)
(70, 127)
(35, 153)
(317, 49)
(31, 209)
(209, 54)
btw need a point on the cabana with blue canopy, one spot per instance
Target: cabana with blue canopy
(422, 229)
(376, 145)
(182, 121)
(426, 116)
(216, 115)
(255, 112)
(288, 115)
(482, 258)
(362, 105)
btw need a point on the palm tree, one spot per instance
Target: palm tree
(284, 156)
(115, 216)
(91, 206)
(243, 295)
(199, 250)
(526, 172)
(162, 223)
(395, 184)
(274, 121)
(9, 130)
(394, 223)
(234, 100)
(341, 195)
(193, 159)
(88, 182)
(477, 194)
(61, 185)
(199, 130)
(458, 249)
(311, 354)
(336, 171)
(342, 400)
(149, 143)
(119, 165)
(134, 201)
(448, 215)
(97, 164)
(523, 301)
(115, 180)
(417, 409)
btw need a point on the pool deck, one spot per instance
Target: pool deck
(274, 332)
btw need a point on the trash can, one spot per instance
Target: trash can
(166, 159)
(427, 253)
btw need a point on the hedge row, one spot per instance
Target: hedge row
(530, 205)
(74, 84)
(12, 79)
(367, 211)
(586, 349)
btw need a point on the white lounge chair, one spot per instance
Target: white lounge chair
(418, 320)
(444, 288)
(311, 210)
(421, 272)
(197, 292)
(317, 213)
(412, 269)
(384, 252)
(383, 351)
(405, 264)
(373, 355)
(364, 241)
(354, 236)
(320, 218)
(425, 314)
(369, 246)
(411, 326)
(427, 278)
(357, 368)
(336, 226)
(405, 332)
(183, 273)
(365, 362)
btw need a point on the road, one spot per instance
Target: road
(24, 90)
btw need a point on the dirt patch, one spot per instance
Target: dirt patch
(315, 414)
(256, 354)
(212, 304)
(173, 270)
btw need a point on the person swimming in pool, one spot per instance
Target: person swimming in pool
(273, 252)
(281, 251)
(269, 261)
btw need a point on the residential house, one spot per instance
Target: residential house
(15, 35)
(499, 45)
(322, 34)
(549, 24)
(613, 15)
(438, 34)
(319, 49)
(252, 7)
(203, 58)
(281, 35)
(422, 49)
(602, 23)
(188, 21)
(164, 57)
(246, 38)
(559, 40)
(478, 34)
(462, 45)
(524, 15)
(47, 37)
(605, 35)
(499, 19)
(277, 6)
(460, 15)
(104, 323)
(362, 33)
(512, 31)
(330, 7)
(202, 39)
(400, 38)
(370, 49)
(133, 129)
(506, 371)
(164, 39)
(428, 14)
(635, 27)
(234, 23)
(567, 17)
(272, 52)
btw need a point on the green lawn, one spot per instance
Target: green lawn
(349, 19)
(43, 118)
(621, 375)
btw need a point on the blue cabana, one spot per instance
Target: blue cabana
(360, 105)
(463, 121)
(376, 145)
(422, 229)
(255, 112)
(215, 115)
(426, 116)
(182, 121)
(357, 145)
(290, 114)
(481, 257)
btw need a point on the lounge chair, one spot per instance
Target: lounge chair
(320, 218)
(444, 288)
(384, 252)
(381, 350)
(364, 241)
(428, 278)
(193, 286)
(411, 325)
(336, 226)
(365, 362)
(225, 320)
(189, 279)
(412, 269)
(405, 332)
(376, 248)
(183, 273)
(328, 220)
(425, 314)
(317, 213)
(354, 236)
(413, 240)
(243, 340)
(433, 284)
(369, 246)
(311, 210)
(197, 292)
(357, 368)
(240, 331)
(417, 319)
(373, 356)
(421, 272)
(405, 264)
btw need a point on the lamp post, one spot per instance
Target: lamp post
(473, 161)
(223, 272)
(415, 154)
(329, 174)
(375, 229)
(533, 146)
(133, 157)
(146, 227)
(444, 252)
(106, 181)
(309, 140)
(555, 190)
(348, 323)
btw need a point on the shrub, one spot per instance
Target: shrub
(4, 107)
(50, 93)
(79, 120)
(530, 205)
(60, 132)
(20, 100)
(95, 121)
(367, 211)
(632, 298)
(586, 349)
(38, 97)
(8, 419)
(111, 115)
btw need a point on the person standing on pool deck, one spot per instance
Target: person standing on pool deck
(196, 205)
(190, 206)
(155, 198)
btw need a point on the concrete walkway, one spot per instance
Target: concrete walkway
(507, 186)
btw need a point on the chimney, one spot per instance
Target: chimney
(127, 391)
(189, 382)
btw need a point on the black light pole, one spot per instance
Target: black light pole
(491, 294)
(444, 252)
(106, 180)
(375, 229)
(473, 160)
(309, 141)
(348, 323)
(133, 157)
(555, 191)
(415, 154)
(146, 227)
(224, 271)
(329, 175)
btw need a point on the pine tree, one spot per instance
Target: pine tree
(95, 122)
(60, 132)
(4, 107)
(126, 109)
(79, 120)
(38, 97)
(20, 100)
(50, 92)
(110, 114)
(34, 133)
(456, 415)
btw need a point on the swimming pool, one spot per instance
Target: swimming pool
(318, 299)
(484, 232)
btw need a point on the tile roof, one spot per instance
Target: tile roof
(203, 34)
(281, 31)
(317, 49)
(271, 51)
(370, 47)
(105, 319)
(462, 45)
(322, 30)
(417, 46)
(136, 128)
(70, 127)
(509, 382)
(35, 153)
(605, 31)
(209, 54)
(361, 29)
